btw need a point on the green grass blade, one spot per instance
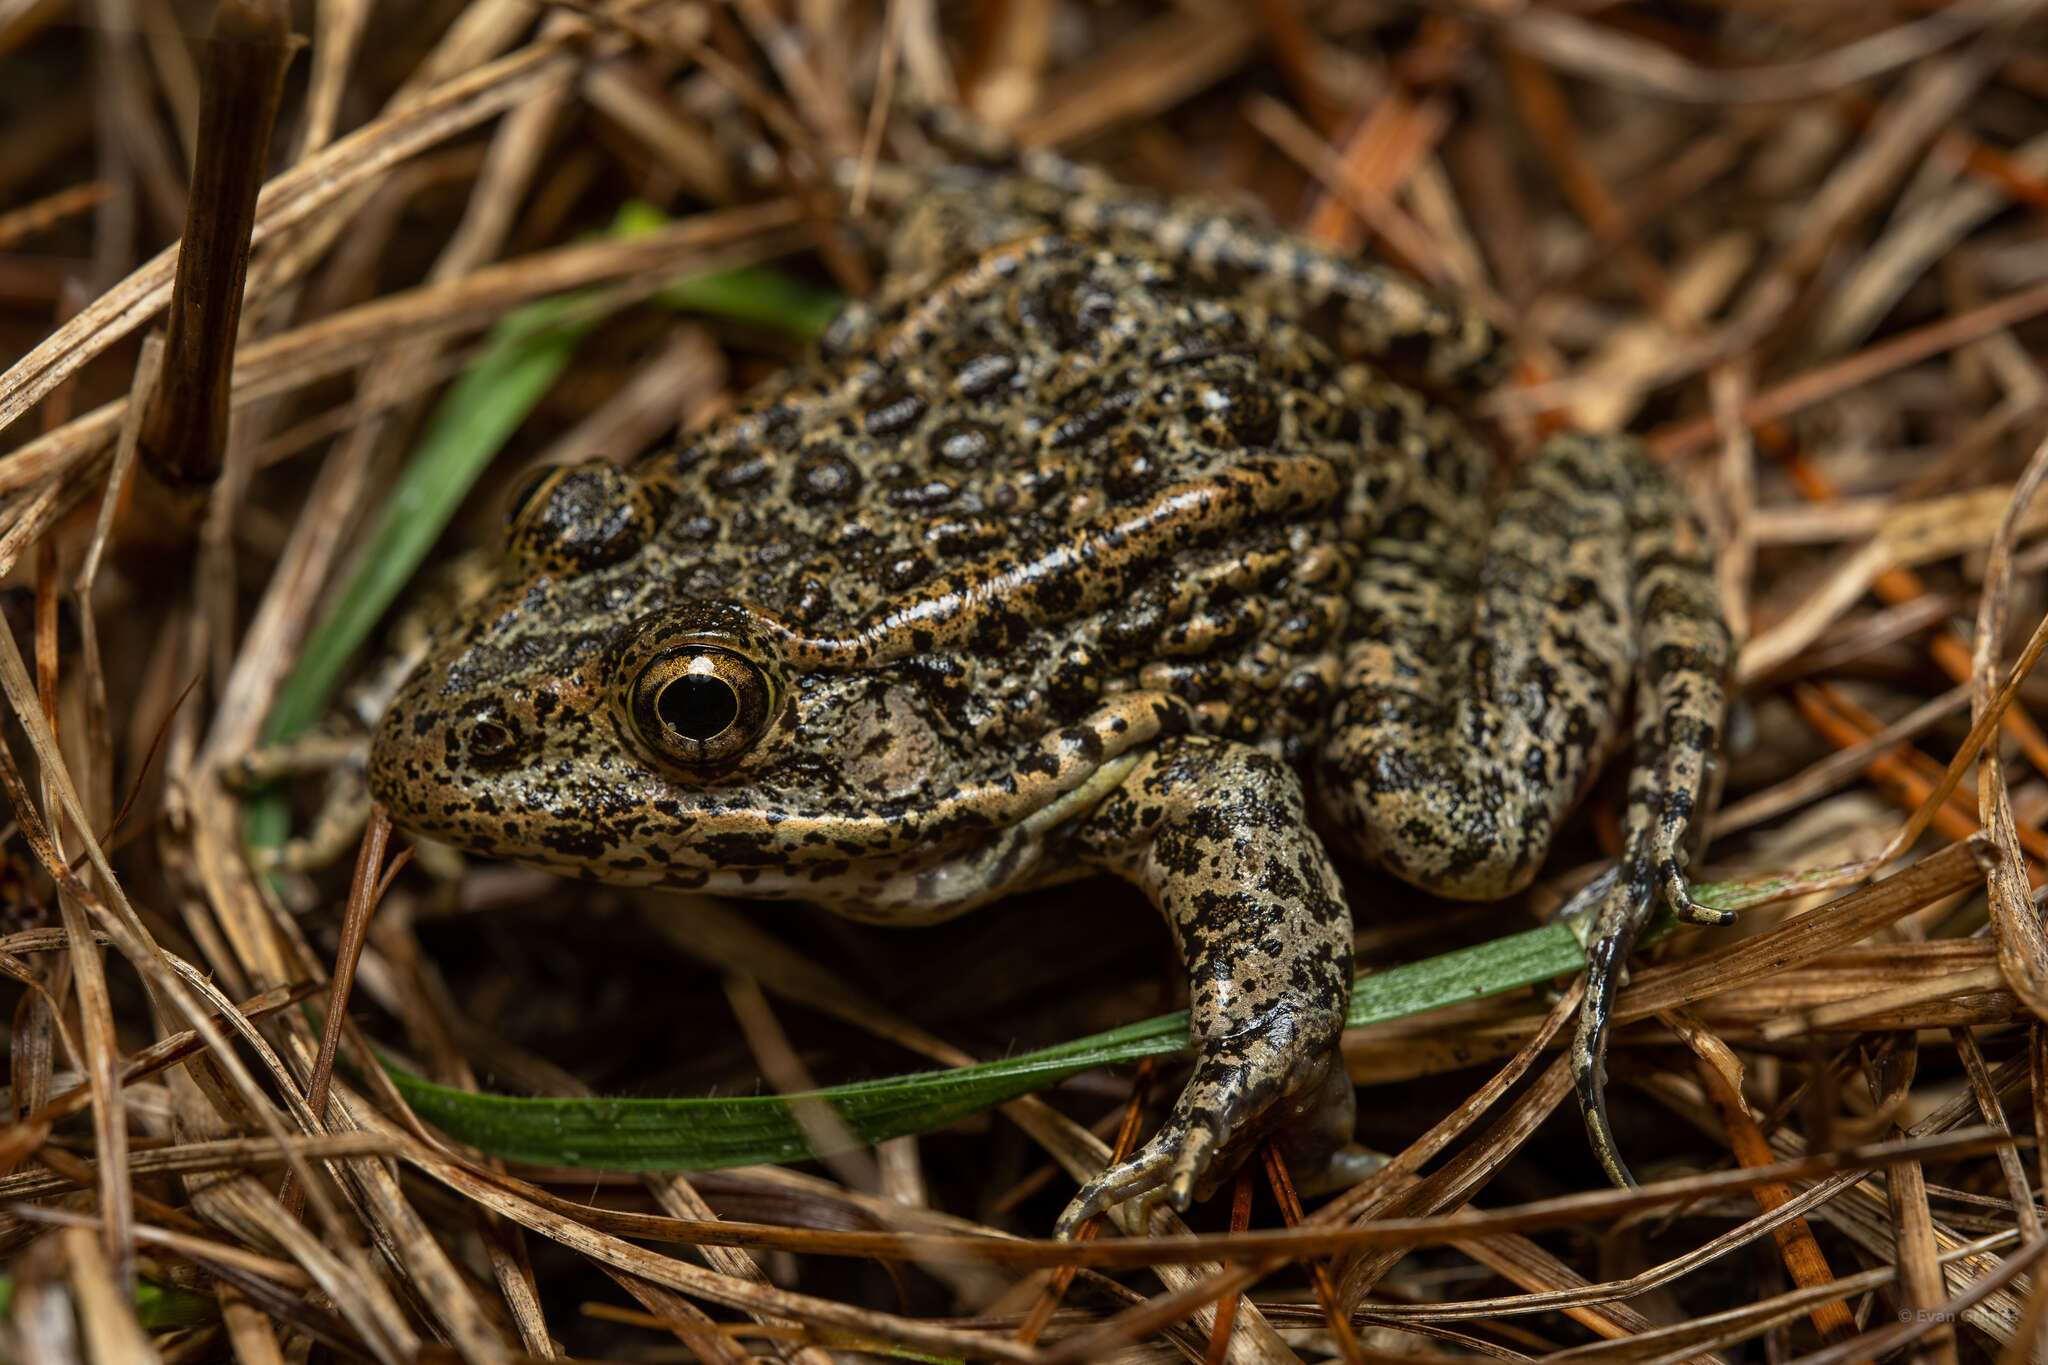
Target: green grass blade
(705, 1134)
(765, 298)
(158, 1307)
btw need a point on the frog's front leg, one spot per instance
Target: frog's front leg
(1217, 834)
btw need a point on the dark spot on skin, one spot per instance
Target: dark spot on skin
(1410, 523)
(1409, 353)
(1676, 658)
(923, 494)
(1676, 602)
(1134, 627)
(979, 371)
(1077, 681)
(1081, 305)
(1209, 344)
(905, 571)
(1237, 412)
(964, 444)
(810, 598)
(1131, 468)
(963, 537)
(1093, 419)
(1070, 307)
(779, 422)
(738, 469)
(1575, 592)
(1304, 692)
(893, 411)
(824, 475)
(1057, 595)
(577, 845)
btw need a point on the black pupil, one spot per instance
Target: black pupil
(698, 706)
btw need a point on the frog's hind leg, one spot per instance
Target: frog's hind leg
(951, 214)
(1377, 312)
(1216, 833)
(1680, 696)
(1485, 682)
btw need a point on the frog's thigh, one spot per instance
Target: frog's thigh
(1484, 683)
(1216, 833)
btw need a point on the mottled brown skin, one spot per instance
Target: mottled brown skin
(1093, 542)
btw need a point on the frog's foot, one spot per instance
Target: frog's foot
(1606, 919)
(1607, 916)
(1217, 834)
(344, 807)
(1245, 1088)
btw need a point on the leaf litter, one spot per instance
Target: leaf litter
(1797, 247)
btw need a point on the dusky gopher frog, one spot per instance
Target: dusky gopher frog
(1099, 540)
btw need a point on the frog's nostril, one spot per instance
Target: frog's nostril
(492, 738)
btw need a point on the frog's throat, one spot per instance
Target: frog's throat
(1082, 573)
(983, 871)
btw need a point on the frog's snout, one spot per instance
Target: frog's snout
(400, 756)
(432, 754)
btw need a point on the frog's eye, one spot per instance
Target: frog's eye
(700, 705)
(524, 491)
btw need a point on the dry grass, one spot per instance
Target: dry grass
(1797, 245)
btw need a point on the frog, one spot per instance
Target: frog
(1113, 533)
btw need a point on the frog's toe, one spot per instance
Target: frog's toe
(1178, 1165)
(1141, 1177)
(1607, 916)
(1589, 1078)
(1608, 927)
(1677, 894)
(1190, 1163)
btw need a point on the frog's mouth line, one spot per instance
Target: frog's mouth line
(644, 827)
